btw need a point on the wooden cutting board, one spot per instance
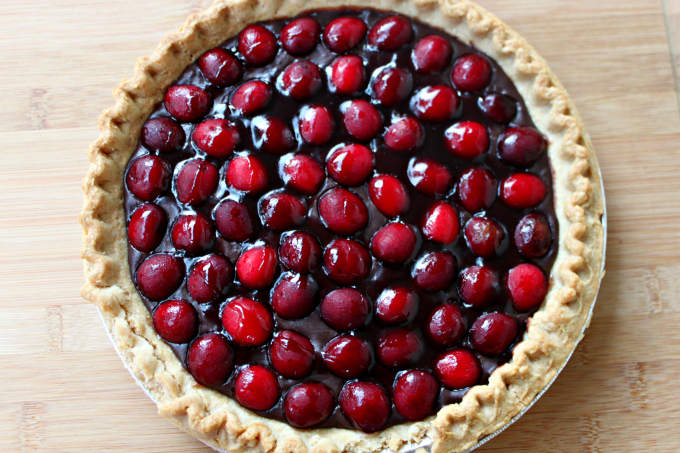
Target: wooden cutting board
(63, 388)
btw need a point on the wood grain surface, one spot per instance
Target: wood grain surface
(63, 388)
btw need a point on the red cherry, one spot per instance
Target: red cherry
(394, 244)
(234, 221)
(399, 347)
(187, 103)
(272, 135)
(247, 174)
(499, 107)
(397, 305)
(282, 211)
(176, 321)
(257, 45)
(248, 322)
(147, 227)
(493, 333)
(301, 80)
(148, 177)
(256, 266)
(477, 189)
(390, 33)
(251, 97)
(429, 177)
(432, 54)
(435, 104)
(347, 75)
(346, 262)
(362, 120)
(294, 296)
(256, 388)
(193, 233)
(478, 286)
(316, 125)
(220, 67)
(415, 394)
(308, 404)
(196, 181)
(344, 34)
(300, 36)
(350, 165)
(345, 309)
(347, 356)
(343, 212)
(522, 191)
(484, 236)
(388, 195)
(471, 73)
(405, 134)
(217, 137)
(159, 276)
(467, 140)
(392, 86)
(440, 223)
(163, 135)
(445, 325)
(302, 173)
(435, 271)
(458, 369)
(291, 354)
(527, 285)
(365, 405)
(210, 359)
(210, 278)
(300, 252)
(521, 146)
(533, 236)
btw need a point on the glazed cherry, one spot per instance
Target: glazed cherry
(308, 404)
(415, 394)
(445, 325)
(291, 354)
(163, 135)
(210, 278)
(343, 212)
(347, 356)
(159, 276)
(394, 244)
(458, 369)
(346, 262)
(390, 33)
(256, 267)
(217, 137)
(234, 221)
(148, 177)
(347, 75)
(521, 146)
(294, 296)
(344, 34)
(432, 54)
(345, 309)
(300, 36)
(272, 135)
(362, 120)
(251, 97)
(527, 286)
(196, 181)
(435, 271)
(316, 125)
(175, 321)
(406, 134)
(478, 286)
(350, 165)
(248, 322)
(247, 174)
(147, 227)
(187, 103)
(282, 211)
(300, 252)
(440, 223)
(396, 305)
(484, 236)
(522, 191)
(388, 195)
(366, 405)
(493, 333)
(193, 233)
(220, 67)
(532, 235)
(210, 359)
(302, 173)
(392, 85)
(257, 45)
(301, 80)
(467, 139)
(471, 73)
(429, 177)
(399, 347)
(436, 104)
(256, 388)
(499, 107)
(477, 189)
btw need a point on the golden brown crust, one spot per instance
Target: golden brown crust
(553, 332)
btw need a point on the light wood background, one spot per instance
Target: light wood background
(62, 387)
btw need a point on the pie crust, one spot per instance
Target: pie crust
(553, 332)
